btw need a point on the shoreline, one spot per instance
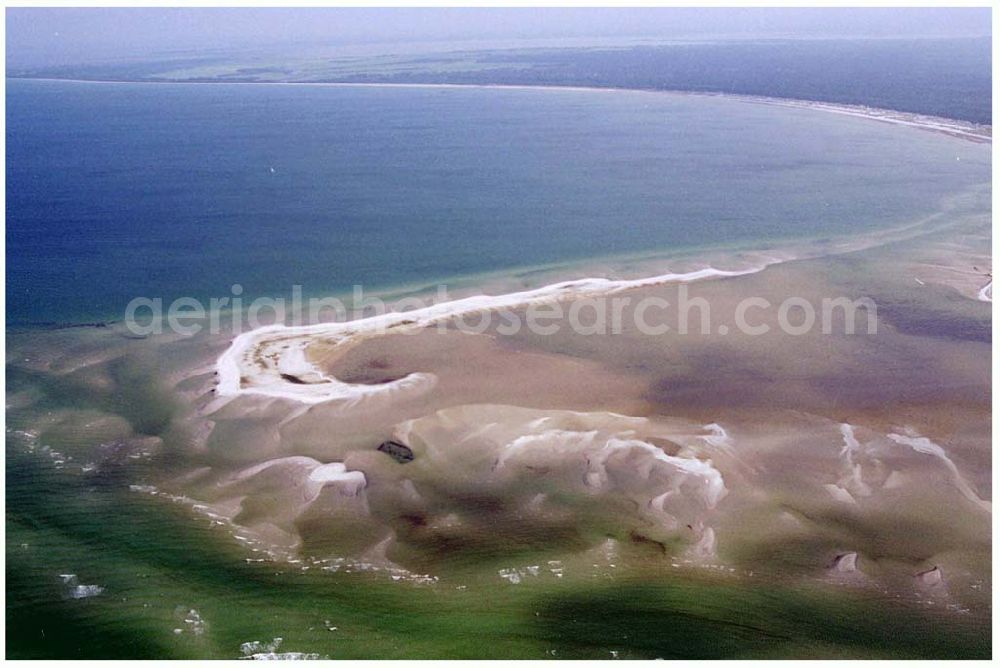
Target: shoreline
(640, 264)
(672, 469)
(951, 127)
(271, 360)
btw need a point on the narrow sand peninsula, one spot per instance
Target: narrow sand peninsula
(271, 361)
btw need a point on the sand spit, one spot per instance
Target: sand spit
(271, 361)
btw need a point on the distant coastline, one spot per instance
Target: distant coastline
(953, 127)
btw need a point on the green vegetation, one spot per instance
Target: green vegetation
(156, 563)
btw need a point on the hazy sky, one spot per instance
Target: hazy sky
(55, 36)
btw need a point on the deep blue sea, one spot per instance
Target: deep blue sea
(116, 191)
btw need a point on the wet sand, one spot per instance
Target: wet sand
(839, 465)
(767, 412)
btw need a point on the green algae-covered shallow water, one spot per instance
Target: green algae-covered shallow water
(679, 497)
(156, 565)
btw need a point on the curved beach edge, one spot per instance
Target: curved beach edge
(953, 127)
(270, 361)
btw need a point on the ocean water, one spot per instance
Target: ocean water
(117, 191)
(171, 584)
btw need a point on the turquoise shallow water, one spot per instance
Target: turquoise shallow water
(118, 191)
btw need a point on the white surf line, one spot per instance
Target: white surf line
(986, 292)
(271, 361)
(953, 127)
(950, 126)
